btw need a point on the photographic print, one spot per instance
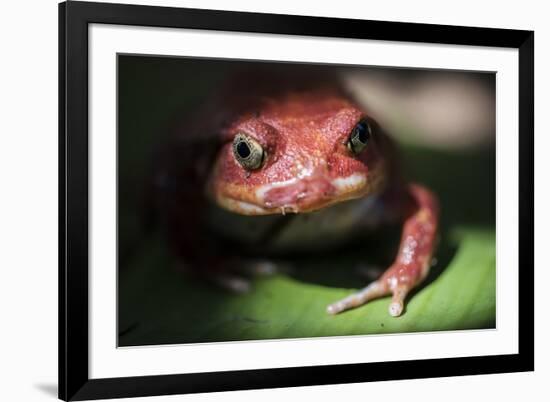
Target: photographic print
(264, 200)
(254, 201)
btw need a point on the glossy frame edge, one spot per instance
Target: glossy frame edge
(74, 381)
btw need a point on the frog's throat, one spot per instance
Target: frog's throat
(292, 196)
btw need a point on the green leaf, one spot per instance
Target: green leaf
(161, 305)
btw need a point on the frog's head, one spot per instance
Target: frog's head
(297, 153)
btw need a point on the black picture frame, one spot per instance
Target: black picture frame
(74, 381)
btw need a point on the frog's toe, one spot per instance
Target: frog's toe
(398, 301)
(261, 268)
(395, 309)
(231, 283)
(372, 291)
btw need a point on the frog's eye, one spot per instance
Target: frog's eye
(248, 152)
(359, 137)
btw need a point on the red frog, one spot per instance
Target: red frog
(283, 161)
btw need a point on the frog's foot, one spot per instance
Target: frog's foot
(236, 275)
(259, 268)
(373, 291)
(219, 276)
(396, 282)
(233, 275)
(232, 283)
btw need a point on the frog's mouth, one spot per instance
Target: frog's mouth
(292, 196)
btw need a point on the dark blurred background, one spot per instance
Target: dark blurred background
(444, 122)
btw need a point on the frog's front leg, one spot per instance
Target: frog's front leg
(413, 259)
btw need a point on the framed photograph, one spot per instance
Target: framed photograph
(257, 201)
